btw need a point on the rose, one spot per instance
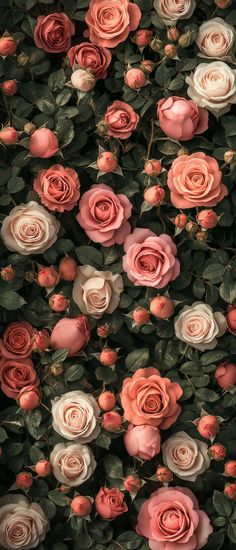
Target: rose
(208, 426)
(72, 463)
(187, 458)
(171, 11)
(7, 46)
(135, 78)
(110, 21)
(120, 119)
(22, 524)
(148, 398)
(9, 87)
(216, 39)
(75, 416)
(97, 292)
(29, 398)
(110, 503)
(171, 520)
(29, 229)
(195, 180)
(180, 118)
(83, 80)
(81, 506)
(213, 85)
(149, 259)
(15, 374)
(103, 215)
(142, 441)
(8, 135)
(17, 340)
(53, 32)
(207, 219)
(58, 187)
(90, 56)
(43, 143)
(199, 326)
(68, 269)
(71, 334)
(225, 375)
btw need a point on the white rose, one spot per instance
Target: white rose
(216, 39)
(96, 292)
(187, 458)
(29, 229)
(172, 10)
(75, 416)
(213, 86)
(22, 525)
(83, 80)
(199, 326)
(72, 463)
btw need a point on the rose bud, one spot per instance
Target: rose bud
(225, 375)
(43, 143)
(8, 135)
(208, 426)
(181, 220)
(83, 80)
(9, 87)
(141, 316)
(43, 468)
(170, 50)
(156, 44)
(112, 421)
(230, 468)
(106, 401)
(71, 334)
(107, 162)
(230, 491)
(142, 37)
(147, 66)
(152, 167)
(81, 506)
(56, 369)
(8, 273)
(108, 357)
(154, 194)
(132, 483)
(103, 330)
(135, 79)
(182, 151)
(223, 4)
(217, 451)
(29, 128)
(47, 277)
(186, 39)
(64, 489)
(24, 480)
(164, 475)
(207, 219)
(142, 441)
(41, 340)
(68, 269)
(231, 320)
(7, 46)
(230, 157)
(162, 307)
(29, 398)
(191, 227)
(23, 59)
(173, 33)
(201, 236)
(58, 302)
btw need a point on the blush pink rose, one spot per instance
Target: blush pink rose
(110, 21)
(148, 398)
(15, 374)
(53, 32)
(172, 11)
(43, 143)
(171, 520)
(17, 340)
(120, 120)
(142, 441)
(180, 118)
(58, 187)
(195, 180)
(149, 259)
(110, 503)
(103, 215)
(71, 334)
(90, 56)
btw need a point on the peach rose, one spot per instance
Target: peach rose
(187, 458)
(90, 56)
(110, 503)
(97, 292)
(213, 86)
(7, 46)
(72, 463)
(216, 39)
(16, 374)
(149, 259)
(180, 118)
(142, 441)
(17, 340)
(110, 21)
(75, 416)
(29, 229)
(72, 334)
(148, 398)
(199, 326)
(195, 180)
(103, 215)
(171, 520)
(58, 187)
(43, 143)
(120, 119)
(22, 524)
(53, 32)
(172, 11)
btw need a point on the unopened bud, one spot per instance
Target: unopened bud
(156, 44)
(185, 40)
(56, 369)
(29, 128)
(23, 59)
(182, 151)
(170, 51)
(230, 157)
(173, 33)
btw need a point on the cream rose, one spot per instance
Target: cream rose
(75, 416)
(96, 292)
(172, 10)
(216, 39)
(187, 458)
(72, 463)
(23, 524)
(199, 326)
(213, 85)
(29, 229)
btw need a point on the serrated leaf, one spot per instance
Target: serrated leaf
(75, 372)
(209, 396)
(222, 504)
(137, 359)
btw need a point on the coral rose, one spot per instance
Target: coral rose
(148, 398)
(15, 374)
(180, 118)
(110, 21)
(142, 441)
(58, 187)
(23, 524)
(225, 375)
(29, 398)
(216, 39)
(53, 32)
(71, 334)
(8, 135)
(75, 416)
(17, 340)
(171, 11)
(187, 458)
(90, 56)
(120, 119)
(72, 463)
(97, 292)
(110, 503)
(149, 259)
(7, 46)
(43, 143)
(195, 180)
(199, 326)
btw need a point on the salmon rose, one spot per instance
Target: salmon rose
(110, 21)
(53, 32)
(17, 340)
(16, 374)
(92, 57)
(58, 187)
(120, 120)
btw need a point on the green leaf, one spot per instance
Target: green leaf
(36, 454)
(3, 435)
(11, 300)
(106, 374)
(231, 532)
(48, 507)
(228, 288)
(214, 272)
(167, 353)
(209, 396)
(113, 466)
(58, 498)
(103, 440)
(137, 359)
(46, 105)
(212, 357)
(89, 255)
(75, 372)
(57, 80)
(28, 25)
(129, 540)
(215, 541)
(222, 504)
(15, 184)
(60, 355)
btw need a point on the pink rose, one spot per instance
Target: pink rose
(225, 375)
(199, 326)
(172, 11)
(180, 118)
(23, 523)
(171, 520)
(72, 463)
(110, 21)
(75, 416)
(17, 340)
(53, 32)
(16, 374)
(142, 441)
(216, 39)
(103, 215)
(58, 187)
(97, 292)
(110, 503)
(149, 259)
(7, 46)
(195, 180)
(71, 334)
(121, 120)
(43, 143)
(8, 135)
(90, 56)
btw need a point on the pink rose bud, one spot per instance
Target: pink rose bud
(223, 4)
(112, 421)
(43, 143)
(8, 273)
(29, 398)
(64, 489)
(170, 50)
(83, 80)
(108, 357)
(41, 340)
(225, 375)
(103, 330)
(71, 334)
(141, 316)
(207, 219)
(43, 468)
(180, 220)
(142, 37)
(173, 33)
(47, 277)
(164, 475)
(154, 194)
(106, 401)
(9, 87)
(230, 491)
(147, 66)
(231, 319)
(7, 46)
(142, 441)
(8, 135)
(132, 483)
(208, 426)
(152, 167)
(24, 480)
(58, 302)
(162, 307)
(107, 162)
(135, 79)
(217, 451)
(191, 227)
(181, 119)
(81, 506)
(68, 269)
(230, 468)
